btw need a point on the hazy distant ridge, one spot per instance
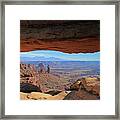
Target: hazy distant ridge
(41, 59)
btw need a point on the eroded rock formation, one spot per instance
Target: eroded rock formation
(91, 85)
(41, 68)
(37, 79)
(71, 36)
(85, 89)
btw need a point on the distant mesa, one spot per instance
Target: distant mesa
(41, 58)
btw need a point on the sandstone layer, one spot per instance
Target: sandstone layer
(70, 36)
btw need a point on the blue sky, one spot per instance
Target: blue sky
(65, 56)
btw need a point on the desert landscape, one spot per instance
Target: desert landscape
(61, 80)
(59, 60)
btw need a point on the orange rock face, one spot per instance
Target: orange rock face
(85, 45)
(37, 79)
(70, 36)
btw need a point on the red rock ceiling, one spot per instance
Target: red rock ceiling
(66, 36)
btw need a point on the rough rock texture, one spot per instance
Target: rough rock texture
(27, 88)
(27, 70)
(49, 82)
(41, 68)
(81, 95)
(85, 89)
(31, 80)
(28, 73)
(71, 36)
(28, 81)
(91, 85)
(38, 79)
(42, 96)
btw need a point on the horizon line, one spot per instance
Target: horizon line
(58, 60)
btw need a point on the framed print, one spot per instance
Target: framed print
(60, 60)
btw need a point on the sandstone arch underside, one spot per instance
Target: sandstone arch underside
(70, 36)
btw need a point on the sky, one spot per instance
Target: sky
(65, 56)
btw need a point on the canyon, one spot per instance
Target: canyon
(68, 36)
(39, 84)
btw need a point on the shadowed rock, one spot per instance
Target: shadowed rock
(81, 95)
(91, 85)
(53, 92)
(27, 88)
(70, 36)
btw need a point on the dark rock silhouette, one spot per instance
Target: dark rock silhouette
(54, 92)
(48, 69)
(27, 88)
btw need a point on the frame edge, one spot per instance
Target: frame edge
(2, 65)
